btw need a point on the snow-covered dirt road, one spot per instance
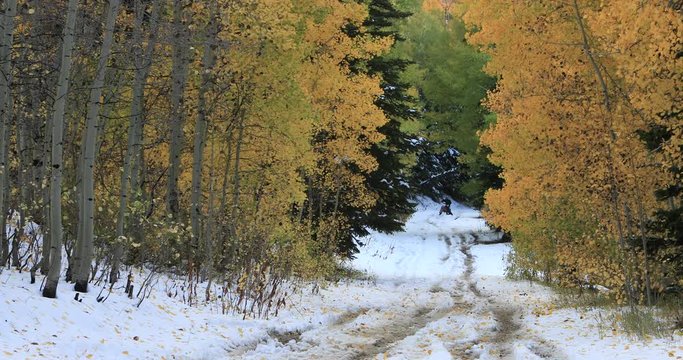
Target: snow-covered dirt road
(437, 293)
(430, 292)
(423, 302)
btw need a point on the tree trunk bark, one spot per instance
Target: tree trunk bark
(131, 162)
(45, 193)
(55, 260)
(90, 136)
(211, 223)
(196, 214)
(179, 79)
(8, 208)
(6, 41)
(224, 196)
(25, 122)
(23, 184)
(236, 184)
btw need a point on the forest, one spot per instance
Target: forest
(246, 143)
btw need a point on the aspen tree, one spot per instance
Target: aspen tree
(206, 69)
(57, 161)
(571, 107)
(614, 186)
(132, 158)
(23, 181)
(6, 40)
(45, 194)
(87, 217)
(209, 233)
(177, 115)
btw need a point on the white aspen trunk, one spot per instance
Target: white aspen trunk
(55, 260)
(200, 132)
(76, 254)
(25, 171)
(35, 155)
(236, 181)
(76, 251)
(71, 136)
(179, 79)
(36, 176)
(82, 276)
(138, 112)
(211, 222)
(24, 122)
(6, 176)
(45, 193)
(6, 40)
(23, 183)
(224, 196)
(132, 159)
(74, 257)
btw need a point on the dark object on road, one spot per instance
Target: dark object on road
(446, 208)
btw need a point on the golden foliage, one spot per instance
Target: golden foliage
(281, 79)
(579, 182)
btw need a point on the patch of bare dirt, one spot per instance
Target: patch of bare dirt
(387, 335)
(285, 336)
(349, 316)
(508, 329)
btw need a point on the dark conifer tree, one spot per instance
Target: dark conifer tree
(391, 181)
(666, 228)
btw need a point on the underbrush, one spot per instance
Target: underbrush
(582, 298)
(662, 320)
(343, 271)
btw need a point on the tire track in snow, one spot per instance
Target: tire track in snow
(508, 329)
(389, 330)
(447, 240)
(285, 337)
(386, 336)
(469, 265)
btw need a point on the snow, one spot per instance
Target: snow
(490, 259)
(69, 329)
(430, 292)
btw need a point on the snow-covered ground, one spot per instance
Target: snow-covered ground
(431, 292)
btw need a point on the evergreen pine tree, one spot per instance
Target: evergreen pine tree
(666, 228)
(391, 181)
